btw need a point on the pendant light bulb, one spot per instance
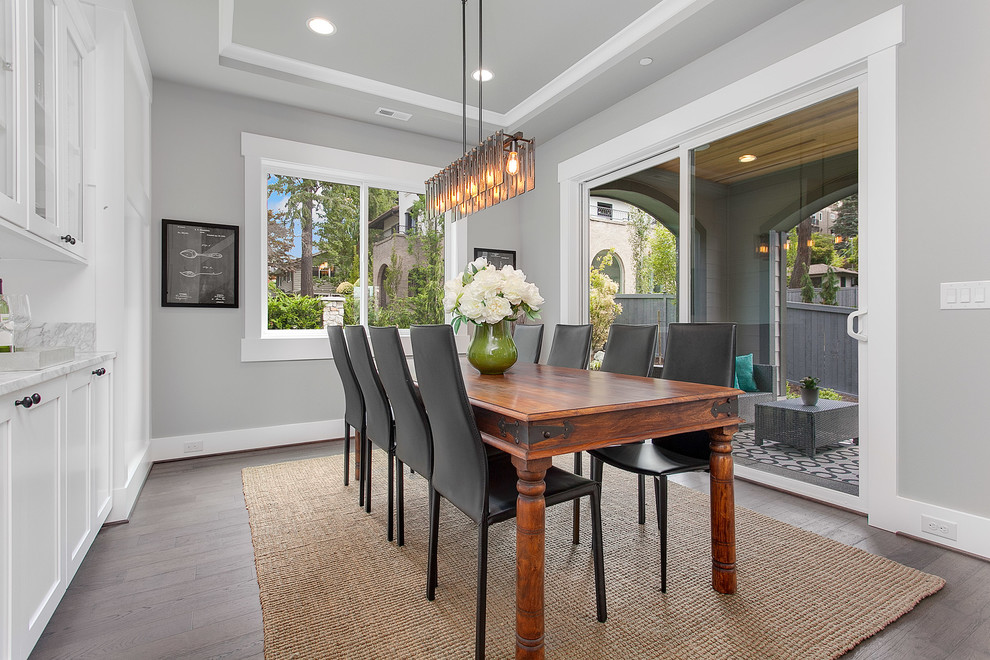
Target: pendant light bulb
(512, 166)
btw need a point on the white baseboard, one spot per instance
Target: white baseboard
(125, 498)
(221, 442)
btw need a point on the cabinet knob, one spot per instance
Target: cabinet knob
(99, 372)
(28, 401)
(68, 239)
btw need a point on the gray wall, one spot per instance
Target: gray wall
(942, 100)
(198, 381)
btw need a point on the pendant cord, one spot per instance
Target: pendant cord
(464, 76)
(481, 77)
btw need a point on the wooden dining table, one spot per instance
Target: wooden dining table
(535, 412)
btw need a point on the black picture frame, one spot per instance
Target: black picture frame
(496, 257)
(200, 264)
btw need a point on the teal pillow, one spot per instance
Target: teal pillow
(744, 374)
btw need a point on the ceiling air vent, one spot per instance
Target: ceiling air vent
(393, 114)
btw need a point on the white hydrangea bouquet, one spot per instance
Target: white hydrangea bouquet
(484, 294)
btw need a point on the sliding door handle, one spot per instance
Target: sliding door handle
(859, 335)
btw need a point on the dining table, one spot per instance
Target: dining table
(535, 412)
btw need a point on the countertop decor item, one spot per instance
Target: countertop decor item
(490, 298)
(36, 357)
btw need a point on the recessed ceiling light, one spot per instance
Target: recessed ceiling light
(747, 158)
(484, 75)
(321, 26)
(646, 61)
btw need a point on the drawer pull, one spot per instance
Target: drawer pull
(29, 401)
(68, 239)
(99, 372)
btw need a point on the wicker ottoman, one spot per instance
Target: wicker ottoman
(807, 427)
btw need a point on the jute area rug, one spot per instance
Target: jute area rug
(333, 587)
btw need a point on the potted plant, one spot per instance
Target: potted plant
(809, 390)
(489, 298)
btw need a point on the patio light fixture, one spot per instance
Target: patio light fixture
(499, 168)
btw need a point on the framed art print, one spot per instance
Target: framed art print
(199, 264)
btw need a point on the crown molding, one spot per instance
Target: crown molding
(661, 18)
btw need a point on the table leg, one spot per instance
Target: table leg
(530, 537)
(723, 513)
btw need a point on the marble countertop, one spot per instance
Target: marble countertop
(12, 381)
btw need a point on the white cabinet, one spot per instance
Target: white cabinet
(37, 577)
(55, 469)
(43, 128)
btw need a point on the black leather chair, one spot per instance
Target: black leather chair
(696, 353)
(529, 341)
(353, 403)
(630, 349)
(571, 346)
(413, 439)
(483, 488)
(378, 414)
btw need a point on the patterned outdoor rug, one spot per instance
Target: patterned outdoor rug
(835, 467)
(333, 587)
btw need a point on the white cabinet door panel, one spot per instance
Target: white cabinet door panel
(38, 582)
(78, 500)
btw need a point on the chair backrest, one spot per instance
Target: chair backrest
(630, 349)
(353, 400)
(413, 440)
(529, 341)
(571, 346)
(460, 463)
(376, 404)
(701, 353)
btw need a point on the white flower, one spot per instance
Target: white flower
(497, 308)
(490, 295)
(472, 305)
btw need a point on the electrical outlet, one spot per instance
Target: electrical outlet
(191, 447)
(937, 527)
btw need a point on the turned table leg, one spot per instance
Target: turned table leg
(530, 537)
(723, 513)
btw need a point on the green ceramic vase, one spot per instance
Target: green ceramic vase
(492, 350)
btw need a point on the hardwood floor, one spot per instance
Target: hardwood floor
(178, 580)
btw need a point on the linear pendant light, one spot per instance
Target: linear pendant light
(499, 168)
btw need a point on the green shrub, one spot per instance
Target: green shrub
(345, 288)
(826, 393)
(291, 312)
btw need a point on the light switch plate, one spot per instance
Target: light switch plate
(965, 295)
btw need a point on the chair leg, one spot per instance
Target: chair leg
(598, 553)
(347, 453)
(367, 475)
(641, 486)
(576, 531)
(482, 607)
(660, 487)
(361, 462)
(431, 563)
(400, 504)
(391, 496)
(596, 469)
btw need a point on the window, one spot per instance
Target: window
(334, 237)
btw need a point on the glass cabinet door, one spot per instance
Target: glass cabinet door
(8, 96)
(44, 111)
(71, 141)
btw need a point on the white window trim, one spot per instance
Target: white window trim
(263, 154)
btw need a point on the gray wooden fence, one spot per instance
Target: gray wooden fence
(845, 297)
(816, 344)
(645, 307)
